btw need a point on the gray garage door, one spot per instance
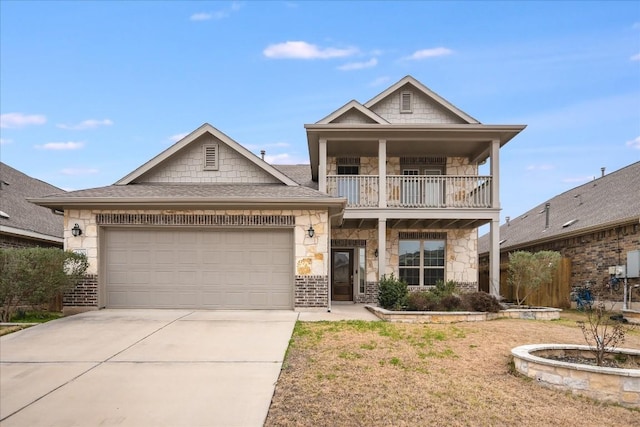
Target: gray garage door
(209, 269)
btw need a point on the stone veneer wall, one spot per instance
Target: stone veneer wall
(85, 293)
(188, 166)
(311, 291)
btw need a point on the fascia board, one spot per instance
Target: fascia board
(30, 234)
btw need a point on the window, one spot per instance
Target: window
(421, 262)
(362, 271)
(406, 101)
(348, 185)
(210, 155)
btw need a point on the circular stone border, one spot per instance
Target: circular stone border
(614, 385)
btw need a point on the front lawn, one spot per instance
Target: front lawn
(359, 373)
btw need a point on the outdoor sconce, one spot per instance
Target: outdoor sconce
(76, 230)
(311, 232)
(376, 253)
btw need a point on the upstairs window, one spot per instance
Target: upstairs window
(210, 155)
(406, 102)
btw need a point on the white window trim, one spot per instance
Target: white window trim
(216, 163)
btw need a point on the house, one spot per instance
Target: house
(596, 225)
(22, 223)
(393, 187)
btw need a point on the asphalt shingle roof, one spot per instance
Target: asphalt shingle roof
(610, 199)
(299, 173)
(15, 188)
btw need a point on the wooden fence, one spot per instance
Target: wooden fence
(557, 294)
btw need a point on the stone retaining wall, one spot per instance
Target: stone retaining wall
(463, 316)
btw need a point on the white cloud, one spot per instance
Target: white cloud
(79, 171)
(635, 57)
(304, 50)
(218, 14)
(86, 124)
(18, 120)
(178, 136)
(543, 167)
(4, 141)
(429, 53)
(358, 65)
(70, 145)
(380, 81)
(634, 143)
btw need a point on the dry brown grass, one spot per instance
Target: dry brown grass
(386, 374)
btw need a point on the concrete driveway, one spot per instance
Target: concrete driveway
(144, 368)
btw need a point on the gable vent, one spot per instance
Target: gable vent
(210, 157)
(406, 99)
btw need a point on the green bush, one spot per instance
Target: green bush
(480, 301)
(34, 276)
(444, 289)
(422, 301)
(392, 293)
(451, 303)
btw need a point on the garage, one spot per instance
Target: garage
(246, 268)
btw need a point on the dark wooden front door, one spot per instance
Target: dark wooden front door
(342, 274)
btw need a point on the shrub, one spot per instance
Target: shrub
(444, 289)
(422, 301)
(392, 293)
(481, 301)
(36, 275)
(451, 303)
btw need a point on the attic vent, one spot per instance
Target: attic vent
(406, 100)
(569, 223)
(210, 154)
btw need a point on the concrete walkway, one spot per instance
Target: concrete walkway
(150, 367)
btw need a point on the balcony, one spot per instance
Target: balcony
(413, 191)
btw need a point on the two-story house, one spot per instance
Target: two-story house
(392, 188)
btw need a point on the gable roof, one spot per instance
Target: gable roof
(426, 92)
(353, 105)
(26, 219)
(299, 173)
(184, 142)
(602, 203)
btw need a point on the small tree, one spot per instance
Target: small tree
(529, 271)
(601, 331)
(34, 276)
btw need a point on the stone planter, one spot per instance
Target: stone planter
(616, 385)
(463, 316)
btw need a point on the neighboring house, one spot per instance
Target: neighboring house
(393, 188)
(595, 225)
(22, 223)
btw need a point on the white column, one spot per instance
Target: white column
(494, 258)
(382, 173)
(322, 166)
(495, 173)
(382, 247)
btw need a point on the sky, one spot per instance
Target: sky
(91, 90)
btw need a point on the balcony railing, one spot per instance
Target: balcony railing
(413, 191)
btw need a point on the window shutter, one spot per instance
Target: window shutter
(211, 157)
(405, 102)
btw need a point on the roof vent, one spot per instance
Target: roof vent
(502, 241)
(602, 169)
(262, 153)
(3, 214)
(547, 209)
(508, 219)
(569, 223)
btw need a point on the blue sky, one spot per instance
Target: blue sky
(91, 90)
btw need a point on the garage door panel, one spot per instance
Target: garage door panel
(232, 269)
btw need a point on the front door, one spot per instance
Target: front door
(342, 274)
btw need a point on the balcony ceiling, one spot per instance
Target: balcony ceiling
(472, 141)
(411, 224)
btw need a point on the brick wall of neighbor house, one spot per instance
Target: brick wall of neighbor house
(592, 254)
(424, 110)
(14, 242)
(311, 291)
(187, 166)
(85, 293)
